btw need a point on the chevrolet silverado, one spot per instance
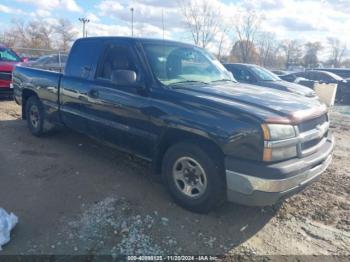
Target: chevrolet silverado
(173, 104)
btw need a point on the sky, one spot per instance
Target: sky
(306, 20)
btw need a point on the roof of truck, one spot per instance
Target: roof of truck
(138, 39)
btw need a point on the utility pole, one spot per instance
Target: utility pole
(132, 21)
(163, 22)
(84, 21)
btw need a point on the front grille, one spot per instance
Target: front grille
(310, 146)
(6, 76)
(311, 124)
(310, 143)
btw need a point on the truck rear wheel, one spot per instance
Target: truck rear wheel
(193, 178)
(35, 116)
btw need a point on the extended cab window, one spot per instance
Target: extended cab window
(83, 58)
(116, 57)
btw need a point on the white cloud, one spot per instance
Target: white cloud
(92, 17)
(69, 5)
(98, 29)
(10, 10)
(109, 7)
(41, 13)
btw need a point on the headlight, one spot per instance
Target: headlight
(277, 131)
(279, 153)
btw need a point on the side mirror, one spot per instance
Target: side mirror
(25, 59)
(123, 77)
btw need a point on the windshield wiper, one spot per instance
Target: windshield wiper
(223, 80)
(188, 82)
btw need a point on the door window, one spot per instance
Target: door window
(116, 57)
(324, 77)
(303, 74)
(241, 75)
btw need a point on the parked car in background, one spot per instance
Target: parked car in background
(342, 72)
(54, 62)
(257, 75)
(293, 78)
(280, 72)
(33, 58)
(175, 105)
(343, 91)
(8, 60)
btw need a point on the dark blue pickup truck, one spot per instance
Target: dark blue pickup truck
(175, 105)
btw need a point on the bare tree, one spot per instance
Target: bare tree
(8, 39)
(225, 29)
(292, 52)
(237, 55)
(311, 54)
(202, 20)
(39, 34)
(65, 34)
(268, 49)
(338, 50)
(18, 32)
(33, 34)
(246, 29)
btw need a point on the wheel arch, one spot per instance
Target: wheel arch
(174, 136)
(26, 94)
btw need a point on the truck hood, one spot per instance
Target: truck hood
(7, 66)
(270, 104)
(290, 87)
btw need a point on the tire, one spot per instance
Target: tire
(35, 116)
(193, 177)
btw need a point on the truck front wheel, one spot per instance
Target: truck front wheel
(193, 177)
(35, 116)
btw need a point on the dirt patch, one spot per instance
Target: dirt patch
(327, 201)
(76, 196)
(9, 110)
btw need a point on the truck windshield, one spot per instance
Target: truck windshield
(175, 64)
(8, 55)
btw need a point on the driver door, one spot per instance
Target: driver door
(117, 110)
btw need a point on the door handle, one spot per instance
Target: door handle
(93, 93)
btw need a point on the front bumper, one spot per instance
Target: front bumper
(258, 184)
(6, 92)
(6, 87)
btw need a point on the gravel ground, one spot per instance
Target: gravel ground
(75, 196)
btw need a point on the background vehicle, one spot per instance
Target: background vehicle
(280, 72)
(342, 72)
(8, 60)
(175, 105)
(256, 75)
(343, 91)
(54, 62)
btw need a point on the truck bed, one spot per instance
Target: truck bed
(44, 83)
